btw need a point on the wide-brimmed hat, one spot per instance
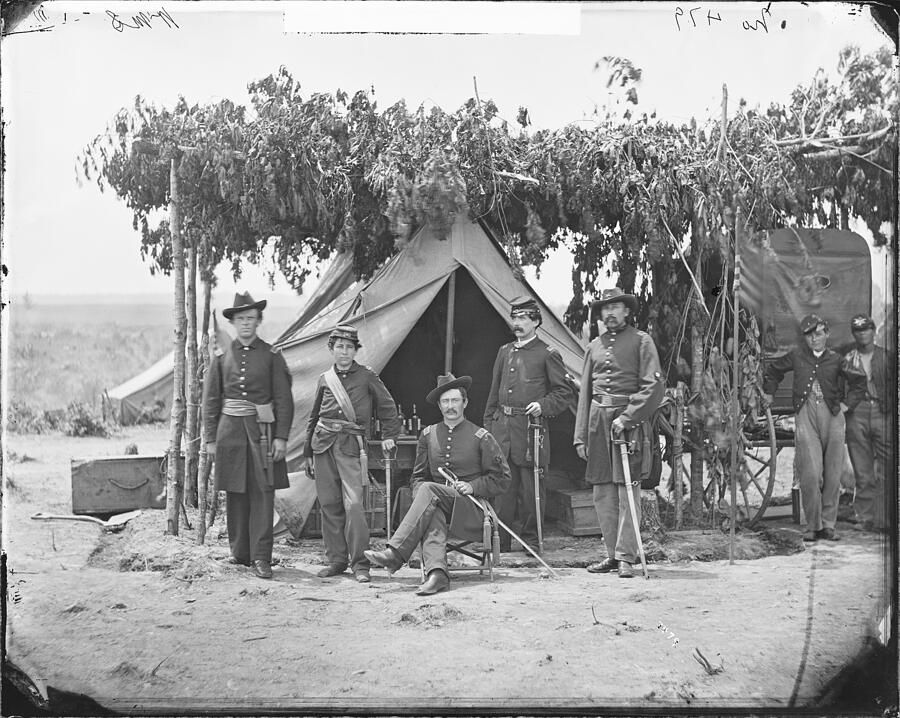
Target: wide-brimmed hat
(608, 296)
(810, 322)
(345, 331)
(243, 301)
(860, 322)
(446, 382)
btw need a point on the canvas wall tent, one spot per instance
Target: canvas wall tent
(148, 392)
(402, 315)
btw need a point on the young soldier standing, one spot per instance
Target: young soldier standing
(247, 414)
(347, 397)
(819, 391)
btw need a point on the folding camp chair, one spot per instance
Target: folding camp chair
(472, 532)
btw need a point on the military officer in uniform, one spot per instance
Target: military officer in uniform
(247, 414)
(473, 455)
(621, 388)
(869, 425)
(348, 396)
(529, 386)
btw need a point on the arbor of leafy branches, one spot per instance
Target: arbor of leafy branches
(307, 177)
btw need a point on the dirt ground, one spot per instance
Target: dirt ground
(144, 623)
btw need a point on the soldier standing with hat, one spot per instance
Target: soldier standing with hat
(529, 386)
(621, 388)
(868, 425)
(247, 414)
(473, 455)
(348, 396)
(819, 391)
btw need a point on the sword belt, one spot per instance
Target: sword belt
(513, 410)
(611, 400)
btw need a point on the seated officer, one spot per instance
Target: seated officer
(473, 455)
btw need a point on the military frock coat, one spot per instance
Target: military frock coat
(533, 372)
(623, 363)
(256, 373)
(467, 450)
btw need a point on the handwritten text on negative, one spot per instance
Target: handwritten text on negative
(141, 20)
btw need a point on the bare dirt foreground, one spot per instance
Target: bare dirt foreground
(143, 623)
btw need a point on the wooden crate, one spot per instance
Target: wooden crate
(374, 504)
(115, 484)
(573, 510)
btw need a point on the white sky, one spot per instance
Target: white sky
(59, 89)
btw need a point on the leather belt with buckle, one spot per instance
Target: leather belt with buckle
(611, 400)
(513, 410)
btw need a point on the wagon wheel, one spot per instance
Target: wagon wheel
(758, 471)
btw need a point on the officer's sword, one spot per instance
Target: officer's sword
(534, 423)
(453, 481)
(626, 469)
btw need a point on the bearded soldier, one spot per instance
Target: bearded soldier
(348, 395)
(529, 386)
(247, 410)
(621, 388)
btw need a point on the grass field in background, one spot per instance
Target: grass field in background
(60, 353)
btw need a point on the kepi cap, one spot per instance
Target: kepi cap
(345, 331)
(523, 304)
(860, 322)
(810, 322)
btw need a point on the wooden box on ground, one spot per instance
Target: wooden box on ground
(373, 502)
(114, 484)
(573, 510)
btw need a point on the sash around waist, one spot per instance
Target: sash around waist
(242, 407)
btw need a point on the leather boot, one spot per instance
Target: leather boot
(437, 581)
(389, 558)
(263, 569)
(332, 569)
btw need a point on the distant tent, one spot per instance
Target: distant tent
(148, 393)
(403, 313)
(148, 396)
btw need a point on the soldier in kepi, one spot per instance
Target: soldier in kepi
(348, 396)
(529, 387)
(621, 388)
(247, 414)
(822, 378)
(473, 456)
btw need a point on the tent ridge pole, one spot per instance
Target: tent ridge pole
(451, 303)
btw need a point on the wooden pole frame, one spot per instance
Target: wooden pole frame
(735, 383)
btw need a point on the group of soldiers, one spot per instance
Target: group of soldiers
(840, 398)
(248, 410)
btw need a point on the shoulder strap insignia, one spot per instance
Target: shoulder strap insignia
(427, 430)
(481, 433)
(275, 350)
(552, 349)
